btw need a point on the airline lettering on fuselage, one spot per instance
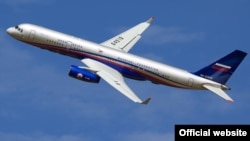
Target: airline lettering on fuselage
(142, 66)
(207, 77)
(69, 44)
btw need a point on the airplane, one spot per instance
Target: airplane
(111, 61)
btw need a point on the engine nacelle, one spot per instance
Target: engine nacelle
(83, 74)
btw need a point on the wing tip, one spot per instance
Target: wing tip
(150, 20)
(145, 102)
(230, 100)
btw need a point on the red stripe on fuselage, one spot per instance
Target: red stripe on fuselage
(81, 55)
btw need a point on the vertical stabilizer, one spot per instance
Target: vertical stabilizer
(221, 70)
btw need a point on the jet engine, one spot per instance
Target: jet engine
(83, 74)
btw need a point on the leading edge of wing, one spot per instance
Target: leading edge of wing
(218, 91)
(114, 78)
(127, 39)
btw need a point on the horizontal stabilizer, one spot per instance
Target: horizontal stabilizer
(218, 91)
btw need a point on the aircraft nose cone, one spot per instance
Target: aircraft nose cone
(9, 30)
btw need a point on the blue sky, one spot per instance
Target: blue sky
(38, 101)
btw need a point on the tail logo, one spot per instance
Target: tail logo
(221, 70)
(221, 67)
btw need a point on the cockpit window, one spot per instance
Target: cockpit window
(18, 28)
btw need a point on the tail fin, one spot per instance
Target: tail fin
(221, 70)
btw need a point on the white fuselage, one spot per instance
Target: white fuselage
(129, 65)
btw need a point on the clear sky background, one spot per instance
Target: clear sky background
(39, 102)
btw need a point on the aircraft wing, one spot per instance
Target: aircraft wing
(127, 39)
(218, 91)
(114, 78)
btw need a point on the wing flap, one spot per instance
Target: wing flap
(114, 78)
(127, 39)
(218, 91)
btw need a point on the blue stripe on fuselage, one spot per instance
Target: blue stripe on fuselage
(123, 67)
